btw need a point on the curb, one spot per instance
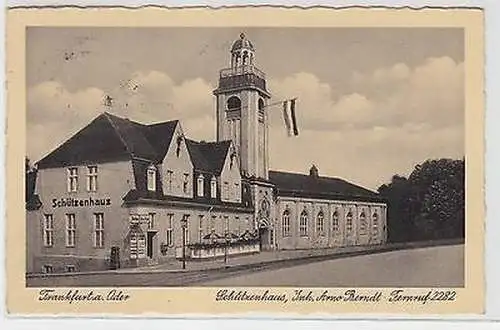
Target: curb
(262, 265)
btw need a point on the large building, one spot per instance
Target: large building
(120, 193)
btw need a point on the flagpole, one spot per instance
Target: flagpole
(279, 102)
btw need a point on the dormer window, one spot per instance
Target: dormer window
(152, 178)
(200, 186)
(213, 187)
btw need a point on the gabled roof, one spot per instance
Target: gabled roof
(208, 156)
(110, 138)
(302, 185)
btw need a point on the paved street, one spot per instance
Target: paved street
(426, 267)
(430, 266)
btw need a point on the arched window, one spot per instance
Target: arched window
(200, 186)
(213, 187)
(285, 223)
(320, 223)
(233, 103)
(261, 104)
(348, 221)
(303, 224)
(362, 222)
(375, 222)
(335, 221)
(151, 174)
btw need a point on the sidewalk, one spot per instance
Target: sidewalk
(258, 258)
(282, 256)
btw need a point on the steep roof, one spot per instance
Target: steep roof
(109, 138)
(302, 185)
(208, 156)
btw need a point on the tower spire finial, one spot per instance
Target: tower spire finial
(242, 35)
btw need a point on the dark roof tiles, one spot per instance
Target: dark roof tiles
(208, 156)
(110, 138)
(302, 185)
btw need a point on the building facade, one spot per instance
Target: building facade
(122, 194)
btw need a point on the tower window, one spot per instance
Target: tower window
(233, 103)
(261, 105)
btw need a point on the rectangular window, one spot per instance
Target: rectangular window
(92, 178)
(70, 230)
(151, 178)
(226, 189)
(185, 184)
(48, 230)
(72, 179)
(186, 228)
(200, 227)
(70, 268)
(47, 269)
(99, 230)
(170, 230)
(151, 222)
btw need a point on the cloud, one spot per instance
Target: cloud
(431, 93)
(386, 122)
(381, 122)
(147, 97)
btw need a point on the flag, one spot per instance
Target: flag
(294, 120)
(286, 117)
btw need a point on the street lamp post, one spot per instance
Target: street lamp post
(184, 225)
(225, 247)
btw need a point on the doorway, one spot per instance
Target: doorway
(264, 239)
(150, 244)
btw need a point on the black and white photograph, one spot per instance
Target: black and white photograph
(245, 156)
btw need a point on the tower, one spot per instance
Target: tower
(242, 98)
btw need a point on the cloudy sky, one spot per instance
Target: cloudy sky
(371, 102)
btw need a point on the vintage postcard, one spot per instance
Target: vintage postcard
(197, 161)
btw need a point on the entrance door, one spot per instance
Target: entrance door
(149, 244)
(264, 239)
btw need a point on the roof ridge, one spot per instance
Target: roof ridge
(108, 117)
(161, 123)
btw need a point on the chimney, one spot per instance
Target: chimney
(313, 171)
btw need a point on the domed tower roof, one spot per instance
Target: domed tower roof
(241, 43)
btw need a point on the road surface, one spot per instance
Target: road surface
(423, 267)
(427, 267)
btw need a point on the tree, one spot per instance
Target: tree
(430, 204)
(397, 193)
